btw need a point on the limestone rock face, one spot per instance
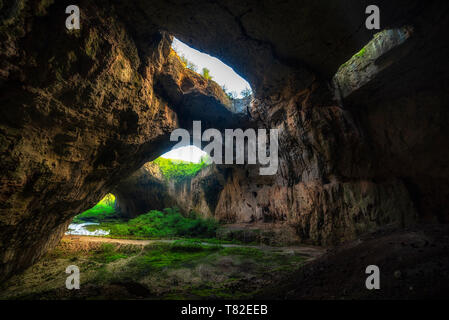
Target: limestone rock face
(371, 157)
(80, 110)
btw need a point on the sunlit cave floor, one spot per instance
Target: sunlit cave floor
(156, 269)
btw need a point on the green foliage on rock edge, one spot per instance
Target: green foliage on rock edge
(102, 211)
(179, 170)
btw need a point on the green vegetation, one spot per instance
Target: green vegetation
(178, 270)
(179, 170)
(243, 251)
(205, 73)
(109, 252)
(189, 270)
(103, 210)
(164, 255)
(234, 95)
(188, 64)
(231, 95)
(246, 92)
(167, 224)
(176, 170)
(361, 53)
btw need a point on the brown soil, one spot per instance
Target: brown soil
(311, 252)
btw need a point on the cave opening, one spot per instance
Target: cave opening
(165, 174)
(362, 150)
(212, 68)
(86, 223)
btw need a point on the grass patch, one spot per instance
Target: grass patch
(243, 251)
(160, 256)
(361, 53)
(109, 252)
(184, 269)
(212, 241)
(193, 246)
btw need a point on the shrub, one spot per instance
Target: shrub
(246, 92)
(169, 223)
(206, 74)
(188, 64)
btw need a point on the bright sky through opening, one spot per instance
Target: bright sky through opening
(189, 153)
(221, 73)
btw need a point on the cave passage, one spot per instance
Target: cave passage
(171, 169)
(361, 168)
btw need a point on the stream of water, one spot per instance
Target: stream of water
(80, 230)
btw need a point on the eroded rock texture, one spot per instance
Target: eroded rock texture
(376, 157)
(82, 110)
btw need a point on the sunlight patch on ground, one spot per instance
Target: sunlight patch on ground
(220, 72)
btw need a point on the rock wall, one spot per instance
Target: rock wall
(372, 155)
(78, 112)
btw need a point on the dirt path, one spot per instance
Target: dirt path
(312, 252)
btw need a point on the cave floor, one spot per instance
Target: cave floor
(413, 263)
(156, 269)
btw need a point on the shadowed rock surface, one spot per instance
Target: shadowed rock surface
(80, 111)
(413, 264)
(83, 110)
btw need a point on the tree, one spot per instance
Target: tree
(246, 92)
(188, 64)
(233, 95)
(206, 74)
